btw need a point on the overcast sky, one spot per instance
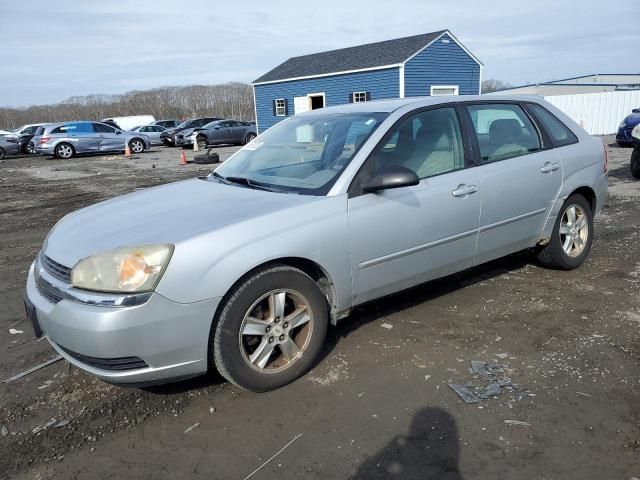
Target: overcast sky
(53, 50)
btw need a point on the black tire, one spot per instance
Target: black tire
(3, 153)
(553, 255)
(225, 345)
(62, 149)
(635, 162)
(248, 137)
(137, 146)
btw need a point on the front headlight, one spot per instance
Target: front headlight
(126, 269)
(622, 124)
(635, 133)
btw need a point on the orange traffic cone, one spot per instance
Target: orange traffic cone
(127, 151)
(183, 158)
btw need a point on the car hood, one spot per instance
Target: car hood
(167, 214)
(632, 120)
(186, 132)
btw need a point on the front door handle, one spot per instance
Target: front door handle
(549, 167)
(463, 190)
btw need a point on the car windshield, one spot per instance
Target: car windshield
(212, 124)
(304, 154)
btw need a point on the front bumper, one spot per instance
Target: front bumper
(170, 338)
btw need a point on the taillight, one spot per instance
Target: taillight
(44, 139)
(606, 156)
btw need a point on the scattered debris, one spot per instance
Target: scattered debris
(583, 394)
(502, 356)
(44, 427)
(464, 393)
(274, 456)
(33, 369)
(61, 424)
(14, 331)
(5, 431)
(427, 377)
(388, 326)
(491, 391)
(486, 369)
(211, 410)
(195, 425)
(517, 422)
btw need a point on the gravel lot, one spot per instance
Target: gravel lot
(379, 404)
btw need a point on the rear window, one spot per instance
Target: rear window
(558, 131)
(73, 128)
(39, 131)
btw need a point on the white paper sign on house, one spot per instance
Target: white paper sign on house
(300, 105)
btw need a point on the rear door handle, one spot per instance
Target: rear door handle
(549, 167)
(463, 190)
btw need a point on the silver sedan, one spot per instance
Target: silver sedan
(245, 269)
(152, 132)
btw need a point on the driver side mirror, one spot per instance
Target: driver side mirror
(391, 177)
(118, 132)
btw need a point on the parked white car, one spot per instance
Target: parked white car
(132, 121)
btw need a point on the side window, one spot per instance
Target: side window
(558, 131)
(429, 143)
(29, 131)
(503, 131)
(100, 128)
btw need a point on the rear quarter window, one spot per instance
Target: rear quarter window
(559, 133)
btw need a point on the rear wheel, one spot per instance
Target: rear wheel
(250, 136)
(270, 330)
(64, 151)
(572, 235)
(136, 145)
(635, 162)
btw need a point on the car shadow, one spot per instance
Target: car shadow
(398, 302)
(429, 451)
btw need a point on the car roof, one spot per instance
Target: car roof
(389, 106)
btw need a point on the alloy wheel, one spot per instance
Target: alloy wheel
(574, 230)
(137, 146)
(276, 331)
(64, 151)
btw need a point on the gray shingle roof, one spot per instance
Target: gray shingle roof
(370, 55)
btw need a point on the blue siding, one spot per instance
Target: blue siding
(380, 84)
(441, 64)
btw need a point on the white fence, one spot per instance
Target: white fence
(598, 113)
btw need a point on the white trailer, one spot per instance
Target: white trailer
(132, 121)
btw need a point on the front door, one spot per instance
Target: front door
(111, 139)
(519, 179)
(406, 236)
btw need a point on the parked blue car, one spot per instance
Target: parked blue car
(623, 137)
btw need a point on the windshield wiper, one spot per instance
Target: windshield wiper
(247, 183)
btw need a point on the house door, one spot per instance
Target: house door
(316, 101)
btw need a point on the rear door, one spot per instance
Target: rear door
(519, 178)
(111, 140)
(222, 133)
(83, 137)
(237, 131)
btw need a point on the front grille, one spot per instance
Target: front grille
(114, 364)
(55, 269)
(48, 291)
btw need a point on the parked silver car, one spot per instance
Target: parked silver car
(244, 269)
(8, 146)
(218, 132)
(152, 132)
(65, 140)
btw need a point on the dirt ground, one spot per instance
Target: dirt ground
(378, 405)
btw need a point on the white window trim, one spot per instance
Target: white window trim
(363, 94)
(284, 107)
(456, 89)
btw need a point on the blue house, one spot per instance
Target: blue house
(430, 64)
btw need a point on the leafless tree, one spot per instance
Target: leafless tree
(229, 100)
(493, 85)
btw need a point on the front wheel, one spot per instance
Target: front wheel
(635, 162)
(136, 145)
(249, 137)
(270, 330)
(572, 235)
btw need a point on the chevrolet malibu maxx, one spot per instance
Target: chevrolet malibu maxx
(244, 270)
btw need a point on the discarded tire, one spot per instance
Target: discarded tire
(207, 158)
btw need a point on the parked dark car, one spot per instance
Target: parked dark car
(168, 137)
(8, 146)
(167, 123)
(623, 137)
(635, 155)
(217, 133)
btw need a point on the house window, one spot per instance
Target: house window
(441, 90)
(280, 107)
(360, 97)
